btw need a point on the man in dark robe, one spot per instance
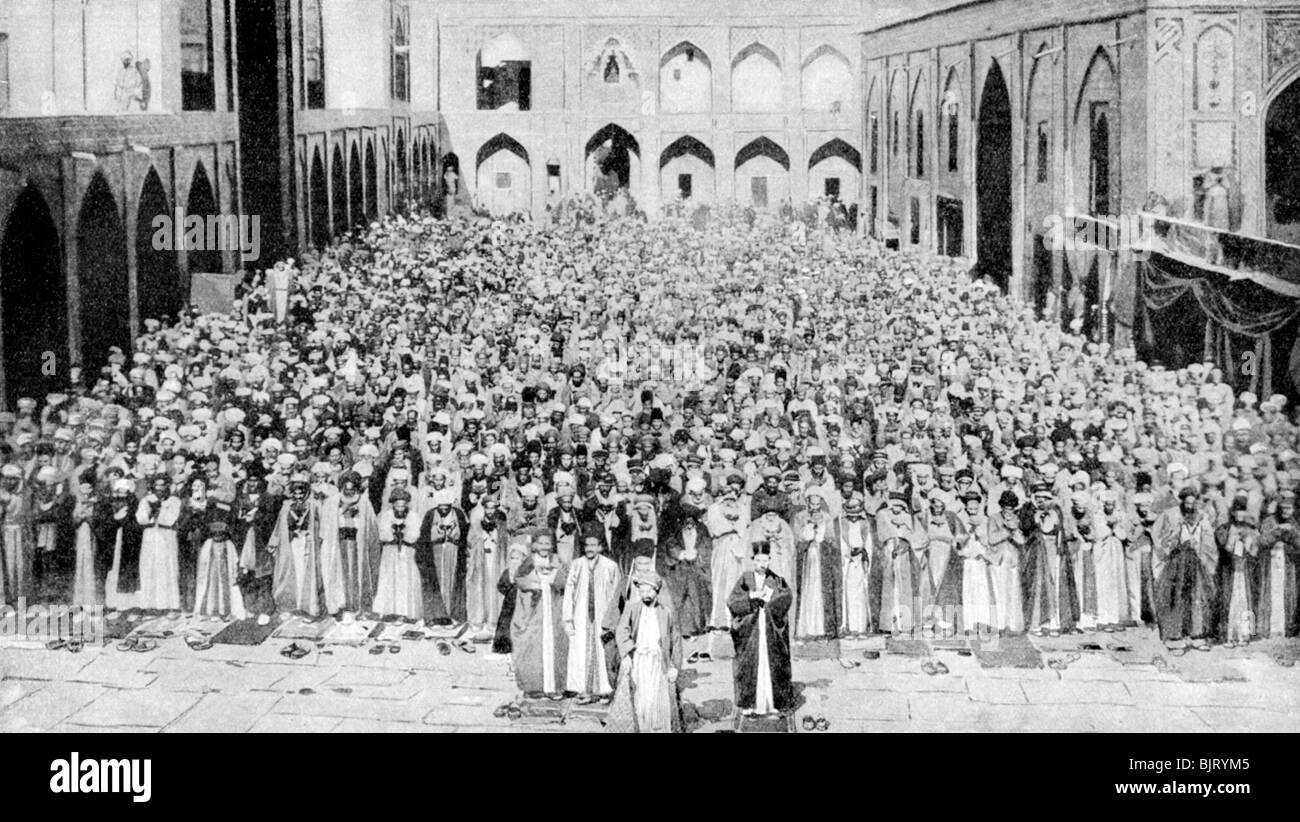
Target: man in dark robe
(685, 564)
(1184, 560)
(114, 517)
(256, 511)
(760, 630)
(1047, 572)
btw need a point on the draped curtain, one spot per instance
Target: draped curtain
(1240, 318)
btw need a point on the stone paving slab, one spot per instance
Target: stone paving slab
(224, 713)
(253, 688)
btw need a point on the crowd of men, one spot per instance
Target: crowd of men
(593, 440)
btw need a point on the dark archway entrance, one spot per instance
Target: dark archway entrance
(320, 203)
(399, 174)
(102, 277)
(203, 203)
(1282, 164)
(356, 188)
(159, 292)
(612, 150)
(339, 193)
(993, 180)
(417, 174)
(372, 183)
(34, 300)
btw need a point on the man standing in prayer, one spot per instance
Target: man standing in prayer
(1184, 559)
(760, 630)
(539, 644)
(295, 543)
(590, 591)
(650, 644)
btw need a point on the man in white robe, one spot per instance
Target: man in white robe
(591, 590)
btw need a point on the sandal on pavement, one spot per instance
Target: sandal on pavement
(127, 644)
(871, 654)
(849, 664)
(513, 712)
(501, 711)
(941, 668)
(823, 724)
(75, 645)
(145, 645)
(809, 723)
(929, 668)
(444, 648)
(394, 648)
(55, 644)
(376, 650)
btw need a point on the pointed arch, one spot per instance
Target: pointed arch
(685, 80)
(826, 80)
(33, 296)
(1282, 163)
(615, 133)
(1095, 138)
(756, 80)
(683, 146)
(372, 181)
(356, 186)
(203, 203)
(502, 142)
(837, 148)
(755, 49)
(320, 202)
(993, 178)
(102, 277)
(687, 50)
(763, 147)
(338, 191)
(159, 291)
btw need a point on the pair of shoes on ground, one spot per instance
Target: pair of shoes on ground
(138, 644)
(934, 668)
(72, 645)
(294, 650)
(820, 723)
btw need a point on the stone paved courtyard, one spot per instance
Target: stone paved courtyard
(232, 688)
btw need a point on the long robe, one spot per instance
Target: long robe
(728, 526)
(649, 638)
(686, 566)
(906, 592)
(351, 553)
(88, 575)
(1184, 560)
(501, 643)
(398, 587)
(539, 645)
(857, 547)
(216, 591)
(1276, 613)
(761, 635)
(1238, 581)
(255, 522)
(159, 555)
(785, 564)
(1003, 552)
(590, 590)
(297, 585)
(819, 580)
(1047, 579)
(17, 549)
(486, 557)
(118, 543)
(442, 558)
(54, 549)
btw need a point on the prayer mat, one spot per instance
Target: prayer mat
(1015, 651)
(950, 644)
(117, 627)
(349, 633)
(816, 649)
(245, 632)
(304, 628)
(164, 627)
(542, 711)
(770, 724)
(906, 647)
(594, 712)
(206, 627)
